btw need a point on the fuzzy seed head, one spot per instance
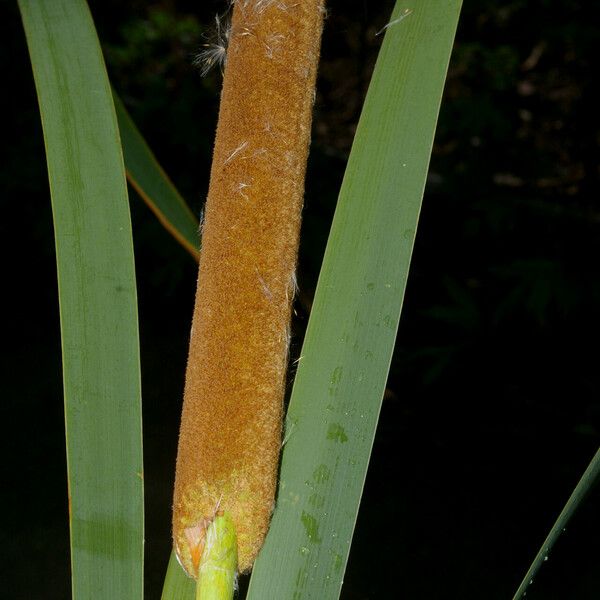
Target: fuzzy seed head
(231, 428)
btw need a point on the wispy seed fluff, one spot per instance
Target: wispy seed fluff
(214, 53)
(232, 414)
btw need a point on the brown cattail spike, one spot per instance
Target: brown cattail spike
(231, 424)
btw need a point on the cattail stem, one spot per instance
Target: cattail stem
(231, 425)
(218, 565)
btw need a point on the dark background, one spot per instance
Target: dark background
(492, 409)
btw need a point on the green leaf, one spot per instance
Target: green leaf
(98, 306)
(154, 186)
(346, 355)
(587, 481)
(177, 586)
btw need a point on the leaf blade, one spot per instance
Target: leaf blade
(585, 484)
(177, 586)
(97, 293)
(153, 185)
(347, 351)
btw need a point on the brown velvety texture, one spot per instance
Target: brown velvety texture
(230, 435)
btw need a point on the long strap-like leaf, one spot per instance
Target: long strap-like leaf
(346, 355)
(587, 481)
(98, 307)
(154, 186)
(177, 586)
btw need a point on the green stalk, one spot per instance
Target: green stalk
(218, 565)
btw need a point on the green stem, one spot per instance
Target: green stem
(218, 565)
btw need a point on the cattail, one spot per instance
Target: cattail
(231, 424)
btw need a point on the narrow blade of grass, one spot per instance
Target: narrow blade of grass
(98, 306)
(177, 586)
(587, 481)
(154, 186)
(345, 359)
